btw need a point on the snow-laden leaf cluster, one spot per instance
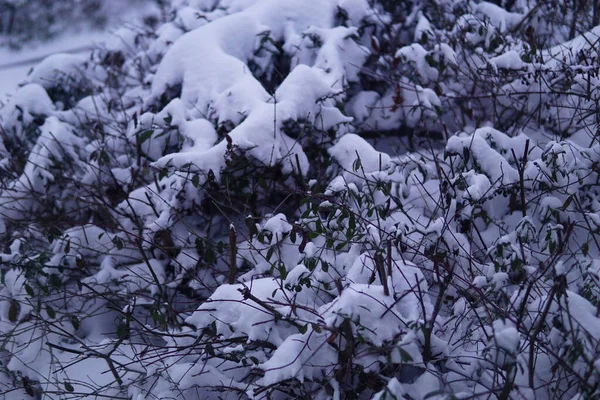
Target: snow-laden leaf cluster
(214, 209)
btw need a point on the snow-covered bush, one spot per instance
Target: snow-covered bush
(215, 209)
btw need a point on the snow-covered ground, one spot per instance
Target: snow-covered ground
(16, 64)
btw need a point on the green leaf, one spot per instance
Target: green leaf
(282, 271)
(50, 311)
(435, 393)
(122, 331)
(270, 253)
(163, 133)
(252, 229)
(29, 290)
(466, 154)
(404, 355)
(210, 350)
(27, 386)
(54, 281)
(356, 165)
(69, 388)
(196, 180)
(144, 135)
(118, 242)
(75, 322)
(351, 222)
(567, 202)
(303, 329)
(53, 233)
(13, 310)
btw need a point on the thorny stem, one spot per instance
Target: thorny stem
(232, 254)
(521, 170)
(247, 295)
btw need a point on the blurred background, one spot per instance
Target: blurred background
(30, 30)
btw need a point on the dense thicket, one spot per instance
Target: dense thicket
(218, 208)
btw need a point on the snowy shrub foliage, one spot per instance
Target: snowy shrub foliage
(214, 209)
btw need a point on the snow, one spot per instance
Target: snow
(277, 225)
(214, 217)
(506, 336)
(476, 149)
(28, 57)
(227, 51)
(480, 281)
(417, 54)
(226, 90)
(238, 315)
(510, 60)
(423, 28)
(351, 147)
(572, 47)
(498, 16)
(313, 355)
(28, 101)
